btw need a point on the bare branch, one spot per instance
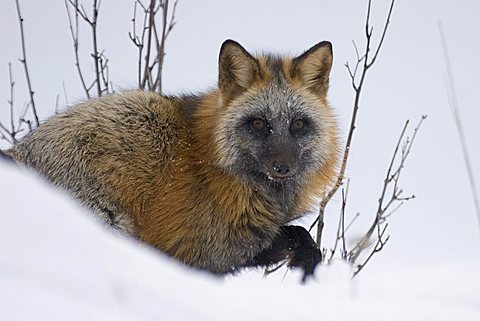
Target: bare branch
(378, 247)
(271, 270)
(341, 225)
(13, 131)
(104, 74)
(96, 54)
(6, 135)
(25, 65)
(151, 76)
(65, 94)
(351, 222)
(379, 223)
(453, 102)
(151, 21)
(74, 34)
(23, 119)
(357, 86)
(57, 104)
(100, 62)
(138, 41)
(387, 22)
(161, 46)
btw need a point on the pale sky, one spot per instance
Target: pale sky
(407, 81)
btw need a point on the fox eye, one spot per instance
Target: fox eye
(298, 125)
(258, 123)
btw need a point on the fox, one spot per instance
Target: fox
(213, 179)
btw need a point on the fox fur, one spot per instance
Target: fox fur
(210, 179)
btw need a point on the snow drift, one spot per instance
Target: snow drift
(57, 262)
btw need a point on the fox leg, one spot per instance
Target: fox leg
(295, 245)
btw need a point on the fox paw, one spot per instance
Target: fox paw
(303, 252)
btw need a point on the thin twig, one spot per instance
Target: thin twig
(6, 135)
(161, 44)
(387, 22)
(378, 247)
(341, 224)
(57, 104)
(95, 54)
(75, 34)
(357, 86)
(269, 271)
(351, 222)
(24, 120)
(150, 72)
(13, 130)
(100, 62)
(379, 223)
(344, 206)
(151, 22)
(25, 65)
(138, 41)
(105, 74)
(65, 94)
(453, 102)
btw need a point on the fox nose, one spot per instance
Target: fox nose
(282, 162)
(282, 170)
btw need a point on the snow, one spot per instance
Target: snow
(58, 262)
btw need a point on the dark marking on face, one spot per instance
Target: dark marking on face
(275, 64)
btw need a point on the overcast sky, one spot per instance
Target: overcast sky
(407, 81)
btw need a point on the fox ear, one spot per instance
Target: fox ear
(312, 68)
(237, 69)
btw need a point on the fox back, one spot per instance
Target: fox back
(210, 179)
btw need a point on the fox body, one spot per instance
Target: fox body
(209, 179)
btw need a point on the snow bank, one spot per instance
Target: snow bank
(56, 262)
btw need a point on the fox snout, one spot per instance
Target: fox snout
(283, 167)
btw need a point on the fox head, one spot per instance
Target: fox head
(274, 122)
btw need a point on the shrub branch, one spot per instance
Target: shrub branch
(23, 60)
(362, 65)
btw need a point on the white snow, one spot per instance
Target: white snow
(58, 263)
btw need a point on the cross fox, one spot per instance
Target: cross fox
(211, 179)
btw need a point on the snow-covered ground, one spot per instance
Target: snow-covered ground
(58, 263)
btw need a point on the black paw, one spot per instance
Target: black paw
(293, 245)
(303, 252)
